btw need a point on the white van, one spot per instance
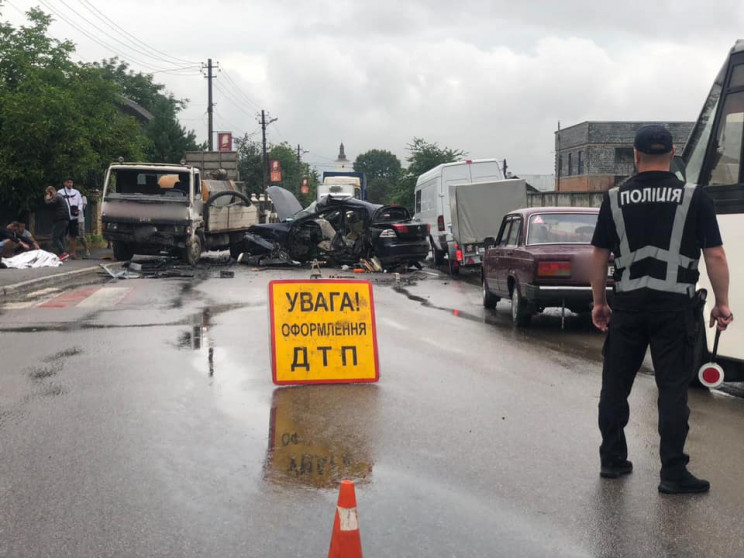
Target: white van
(434, 206)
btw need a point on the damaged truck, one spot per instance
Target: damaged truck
(151, 208)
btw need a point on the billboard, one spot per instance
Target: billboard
(224, 141)
(276, 171)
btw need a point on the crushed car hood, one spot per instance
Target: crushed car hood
(284, 201)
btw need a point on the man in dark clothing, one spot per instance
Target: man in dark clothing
(26, 239)
(656, 226)
(61, 221)
(9, 243)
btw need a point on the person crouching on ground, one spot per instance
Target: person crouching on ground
(61, 221)
(26, 239)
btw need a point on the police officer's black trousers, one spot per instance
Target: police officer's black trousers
(671, 336)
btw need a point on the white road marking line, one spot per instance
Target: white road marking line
(438, 344)
(105, 297)
(19, 305)
(393, 324)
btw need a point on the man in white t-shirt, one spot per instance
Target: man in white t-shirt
(75, 208)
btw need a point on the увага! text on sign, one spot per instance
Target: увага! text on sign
(322, 331)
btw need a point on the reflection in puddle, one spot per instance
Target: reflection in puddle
(197, 337)
(320, 435)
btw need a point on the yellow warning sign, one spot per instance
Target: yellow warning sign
(322, 331)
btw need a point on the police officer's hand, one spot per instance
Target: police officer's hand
(601, 316)
(721, 316)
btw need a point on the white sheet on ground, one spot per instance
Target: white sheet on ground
(32, 258)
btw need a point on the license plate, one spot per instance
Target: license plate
(610, 271)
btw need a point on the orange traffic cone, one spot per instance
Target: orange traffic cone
(346, 541)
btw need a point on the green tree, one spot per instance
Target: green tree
(293, 171)
(379, 190)
(168, 140)
(57, 118)
(423, 157)
(250, 164)
(383, 171)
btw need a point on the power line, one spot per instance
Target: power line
(65, 17)
(229, 97)
(136, 48)
(105, 45)
(103, 17)
(237, 88)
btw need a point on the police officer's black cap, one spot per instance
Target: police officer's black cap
(653, 139)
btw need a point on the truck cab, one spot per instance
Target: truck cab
(151, 208)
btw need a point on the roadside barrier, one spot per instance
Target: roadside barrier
(346, 541)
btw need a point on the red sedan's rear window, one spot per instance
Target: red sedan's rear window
(561, 228)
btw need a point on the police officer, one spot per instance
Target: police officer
(656, 226)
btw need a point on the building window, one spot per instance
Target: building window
(623, 156)
(569, 171)
(580, 163)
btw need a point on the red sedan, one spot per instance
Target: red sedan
(541, 259)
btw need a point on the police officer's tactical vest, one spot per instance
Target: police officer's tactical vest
(672, 257)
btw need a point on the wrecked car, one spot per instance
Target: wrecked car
(340, 231)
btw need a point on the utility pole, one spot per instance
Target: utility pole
(210, 104)
(559, 162)
(265, 121)
(300, 151)
(505, 167)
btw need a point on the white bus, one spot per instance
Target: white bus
(713, 159)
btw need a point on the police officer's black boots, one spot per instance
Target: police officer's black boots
(686, 484)
(615, 470)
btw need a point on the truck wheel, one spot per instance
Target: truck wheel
(438, 255)
(520, 312)
(192, 253)
(236, 249)
(489, 300)
(122, 251)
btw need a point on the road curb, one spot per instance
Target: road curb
(51, 280)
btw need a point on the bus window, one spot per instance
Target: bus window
(698, 142)
(727, 163)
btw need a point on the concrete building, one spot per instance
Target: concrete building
(596, 156)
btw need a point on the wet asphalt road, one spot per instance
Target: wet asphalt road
(138, 423)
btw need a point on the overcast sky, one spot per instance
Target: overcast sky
(492, 78)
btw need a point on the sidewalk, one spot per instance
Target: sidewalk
(14, 282)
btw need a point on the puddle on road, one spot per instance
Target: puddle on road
(320, 435)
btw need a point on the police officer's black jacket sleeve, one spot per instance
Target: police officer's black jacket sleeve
(604, 232)
(708, 234)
